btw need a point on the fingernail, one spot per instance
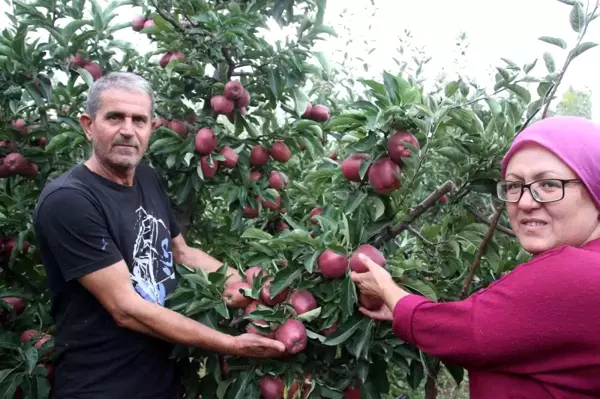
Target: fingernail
(362, 257)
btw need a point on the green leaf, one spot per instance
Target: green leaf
(283, 279)
(300, 99)
(494, 105)
(31, 358)
(528, 67)
(256, 234)
(323, 60)
(348, 296)
(521, 92)
(97, 14)
(416, 374)
(354, 201)
(458, 373)
(420, 287)
(310, 315)
(34, 94)
(344, 332)
(549, 61)
(451, 88)
(452, 153)
(554, 40)
(391, 87)
(577, 17)
(505, 74)
(581, 48)
(379, 207)
(87, 77)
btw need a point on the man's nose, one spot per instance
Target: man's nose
(127, 129)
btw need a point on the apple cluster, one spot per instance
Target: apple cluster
(383, 174)
(92, 67)
(14, 163)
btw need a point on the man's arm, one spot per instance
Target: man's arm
(113, 288)
(198, 259)
(71, 228)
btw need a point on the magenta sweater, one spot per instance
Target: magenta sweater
(535, 333)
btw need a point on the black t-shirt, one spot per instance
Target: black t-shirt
(84, 223)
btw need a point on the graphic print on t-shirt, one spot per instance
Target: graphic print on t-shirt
(152, 258)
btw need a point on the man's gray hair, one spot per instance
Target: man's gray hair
(117, 80)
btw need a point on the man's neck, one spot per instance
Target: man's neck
(119, 177)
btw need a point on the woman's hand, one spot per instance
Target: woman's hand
(384, 313)
(377, 282)
(374, 281)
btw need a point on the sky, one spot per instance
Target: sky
(494, 29)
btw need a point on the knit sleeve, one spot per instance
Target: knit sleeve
(515, 324)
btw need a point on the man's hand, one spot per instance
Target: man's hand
(253, 345)
(384, 313)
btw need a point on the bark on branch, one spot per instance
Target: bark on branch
(485, 220)
(481, 251)
(226, 51)
(168, 18)
(414, 213)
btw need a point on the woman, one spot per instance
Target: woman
(534, 333)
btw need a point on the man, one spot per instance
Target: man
(109, 241)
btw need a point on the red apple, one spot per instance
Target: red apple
(259, 156)
(265, 294)
(221, 104)
(234, 298)
(137, 23)
(370, 302)
(271, 387)
(231, 157)
(384, 176)
(315, 212)
(233, 90)
(303, 301)
(319, 113)
(280, 151)
(373, 253)
(205, 141)
(178, 126)
(351, 166)
(331, 264)
(292, 334)
(396, 148)
(208, 170)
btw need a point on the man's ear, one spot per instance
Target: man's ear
(86, 123)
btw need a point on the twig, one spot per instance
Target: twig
(420, 236)
(500, 228)
(226, 51)
(168, 18)
(481, 251)
(241, 74)
(416, 212)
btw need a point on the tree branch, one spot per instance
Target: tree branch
(570, 58)
(481, 251)
(414, 213)
(485, 220)
(420, 236)
(168, 18)
(226, 51)
(242, 74)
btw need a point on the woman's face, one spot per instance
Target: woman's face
(574, 220)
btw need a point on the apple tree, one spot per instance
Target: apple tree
(273, 176)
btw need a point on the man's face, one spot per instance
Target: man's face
(121, 129)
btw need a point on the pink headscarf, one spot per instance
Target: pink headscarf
(575, 140)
